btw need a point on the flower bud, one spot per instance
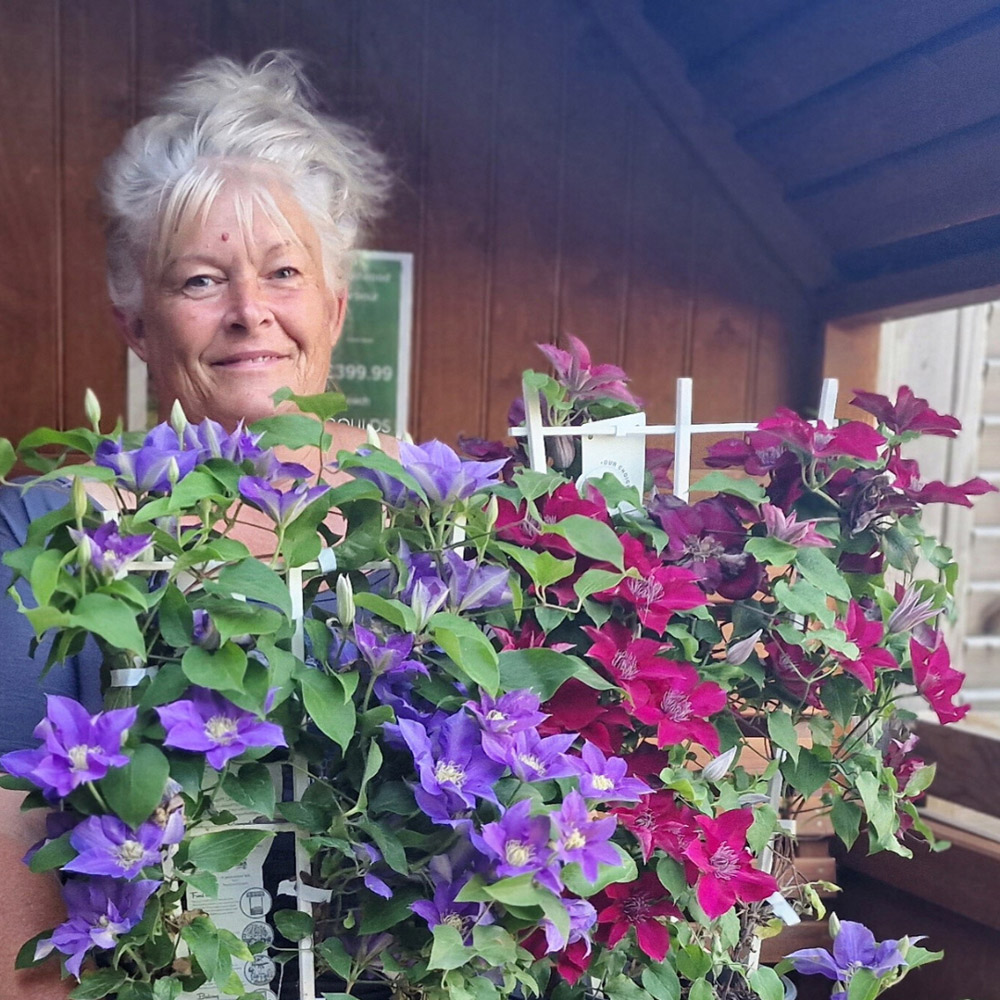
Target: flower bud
(718, 767)
(371, 436)
(173, 472)
(834, 925)
(739, 652)
(178, 419)
(80, 501)
(92, 408)
(492, 512)
(345, 601)
(562, 451)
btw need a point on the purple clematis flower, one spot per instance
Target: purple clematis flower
(471, 586)
(854, 948)
(100, 909)
(388, 656)
(520, 843)
(582, 839)
(148, 469)
(788, 528)
(282, 507)
(107, 846)
(442, 475)
(108, 551)
(605, 779)
(532, 757)
(582, 918)
(210, 724)
(211, 440)
(443, 909)
(394, 492)
(78, 747)
(510, 713)
(454, 771)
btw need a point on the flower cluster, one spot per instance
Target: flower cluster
(541, 739)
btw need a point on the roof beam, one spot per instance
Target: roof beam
(754, 191)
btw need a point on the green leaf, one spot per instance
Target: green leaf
(235, 618)
(718, 482)
(221, 670)
(494, 945)
(879, 806)
(205, 882)
(606, 875)
(661, 982)
(202, 938)
(846, 819)
(394, 612)
(388, 912)
(701, 990)
(95, 985)
(175, 617)
(864, 985)
(591, 538)
(781, 729)
(770, 550)
(840, 698)
(448, 950)
(44, 575)
(822, 573)
(218, 852)
(333, 952)
(53, 854)
(254, 580)
(252, 787)
(393, 852)
(620, 987)
(544, 568)
(544, 671)
(294, 924)
(671, 876)
(325, 405)
(135, 790)
(468, 648)
(111, 620)
(593, 581)
(292, 430)
(804, 599)
(808, 774)
(7, 457)
(767, 983)
(328, 706)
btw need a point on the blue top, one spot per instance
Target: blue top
(22, 695)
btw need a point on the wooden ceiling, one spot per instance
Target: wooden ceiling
(861, 137)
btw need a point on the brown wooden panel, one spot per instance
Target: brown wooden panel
(458, 196)
(524, 264)
(934, 91)
(96, 104)
(944, 183)
(325, 33)
(661, 272)
(169, 38)
(29, 217)
(595, 178)
(968, 771)
(798, 56)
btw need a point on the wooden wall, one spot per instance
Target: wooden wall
(540, 192)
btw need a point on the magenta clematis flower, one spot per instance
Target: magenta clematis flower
(851, 438)
(282, 507)
(582, 839)
(100, 909)
(583, 380)
(210, 724)
(908, 413)
(854, 948)
(631, 663)
(657, 591)
(638, 906)
(678, 705)
(866, 635)
(725, 865)
(107, 550)
(150, 468)
(442, 474)
(937, 680)
(605, 779)
(78, 747)
(662, 821)
(529, 636)
(914, 489)
(788, 528)
(107, 846)
(520, 843)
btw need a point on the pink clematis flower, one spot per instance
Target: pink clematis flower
(908, 413)
(584, 380)
(726, 865)
(866, 635)
(937, 680)
(788, 528)
(679, 705)
(638, 906)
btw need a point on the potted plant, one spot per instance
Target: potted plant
(510, 718)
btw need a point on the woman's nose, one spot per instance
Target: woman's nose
(248, 306)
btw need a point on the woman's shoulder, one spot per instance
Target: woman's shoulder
(22, 502)
(350, 438)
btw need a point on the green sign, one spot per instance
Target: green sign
(371, 362)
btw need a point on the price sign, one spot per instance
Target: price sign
(371, 362)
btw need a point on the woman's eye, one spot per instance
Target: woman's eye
(285, 272)
(197, 281)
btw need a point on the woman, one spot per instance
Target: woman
(232, 212)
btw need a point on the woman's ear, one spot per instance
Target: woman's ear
(130, 328)
(337, 316)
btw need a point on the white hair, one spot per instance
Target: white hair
(255, 125)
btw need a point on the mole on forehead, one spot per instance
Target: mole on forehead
(224, 237)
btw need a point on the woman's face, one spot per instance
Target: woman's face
(238, 312)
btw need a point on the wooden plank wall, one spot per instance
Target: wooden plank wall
(539, 190)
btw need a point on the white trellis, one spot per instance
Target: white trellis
(683, 429)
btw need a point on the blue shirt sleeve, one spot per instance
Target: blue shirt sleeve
(22, 688)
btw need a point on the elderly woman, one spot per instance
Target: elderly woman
(231, 215)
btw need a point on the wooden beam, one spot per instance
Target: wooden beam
(819, 47)
(660, 73)
(935, 89)
(968, 765)
(948, 284)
